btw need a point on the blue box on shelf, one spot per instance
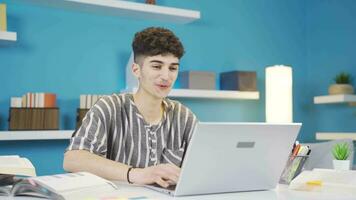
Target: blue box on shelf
(238, 80)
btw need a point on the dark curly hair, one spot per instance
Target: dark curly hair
(156, 41)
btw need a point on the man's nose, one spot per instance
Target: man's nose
(164, 74)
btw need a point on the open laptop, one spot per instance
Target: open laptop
(232, 157)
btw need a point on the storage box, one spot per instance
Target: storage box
(80, 116)
(34, 119)
(197, 80)
(238, 80)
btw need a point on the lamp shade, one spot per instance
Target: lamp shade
(279, 94)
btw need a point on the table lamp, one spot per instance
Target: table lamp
(279, 96)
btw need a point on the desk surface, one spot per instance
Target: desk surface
(280, 193)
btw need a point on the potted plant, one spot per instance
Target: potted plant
(341, 152)
(342, 84)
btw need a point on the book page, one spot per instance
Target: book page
(326, 180)
(5, 190)
(62, 183)
(16, 165)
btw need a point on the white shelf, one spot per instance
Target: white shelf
(124, 8)
(8, 36)
(335, 136)
(340, 98)
(213, 94)
(36, 135)
(210, 94)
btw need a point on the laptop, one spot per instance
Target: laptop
(234, 157)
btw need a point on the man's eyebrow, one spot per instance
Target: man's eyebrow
(158, 61)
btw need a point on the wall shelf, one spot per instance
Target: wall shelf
(335, 136)
(36, 135)
(210, 94)
(8, 36)
(123, 8)
(340, 98)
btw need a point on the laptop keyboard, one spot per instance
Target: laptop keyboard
(171, 187)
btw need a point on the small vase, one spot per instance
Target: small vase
(341, 89)
(153, 2)
(342, 164)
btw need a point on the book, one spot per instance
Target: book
(326, 181)
(82, 101)
(50, 100)
(3, 20)
(80, 185)
(88, 101)
(16, 165)
(15, 102)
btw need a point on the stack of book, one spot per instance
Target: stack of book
(34, 111)
(88, 100)
(34, 100)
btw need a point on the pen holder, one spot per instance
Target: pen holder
(294, 166)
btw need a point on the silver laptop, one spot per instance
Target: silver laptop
(232, 157)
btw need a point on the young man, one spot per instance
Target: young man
(141, 137)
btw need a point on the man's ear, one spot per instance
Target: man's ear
(136, 71)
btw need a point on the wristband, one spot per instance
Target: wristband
(128, 175)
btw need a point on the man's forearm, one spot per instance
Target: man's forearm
(81, 160)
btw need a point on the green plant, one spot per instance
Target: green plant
(343, 78)
(341, 151)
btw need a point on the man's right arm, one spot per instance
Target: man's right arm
(82, 160)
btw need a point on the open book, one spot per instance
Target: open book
(11, 167)
(80, 185)
(15, 165)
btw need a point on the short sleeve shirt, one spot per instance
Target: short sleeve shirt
(115, 129)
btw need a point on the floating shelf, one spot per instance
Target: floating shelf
(36, 135)
(210, 94)
(123, 8)
(340, 98)
(335, 136)
(8, 36)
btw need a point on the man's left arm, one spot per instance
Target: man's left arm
(175, 156)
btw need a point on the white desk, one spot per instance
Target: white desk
(281, 193)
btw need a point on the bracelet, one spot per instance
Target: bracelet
(128, 175)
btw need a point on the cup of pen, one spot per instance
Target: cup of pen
(294, 166)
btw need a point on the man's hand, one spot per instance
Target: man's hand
(163, 174)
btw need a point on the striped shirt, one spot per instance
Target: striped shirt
(115, 129)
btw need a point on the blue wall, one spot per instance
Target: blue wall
(72, 53)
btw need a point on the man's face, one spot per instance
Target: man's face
(157, 74)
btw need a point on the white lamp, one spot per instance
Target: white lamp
(279, 96)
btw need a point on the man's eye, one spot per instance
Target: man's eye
(156, 67)
(173, 68)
